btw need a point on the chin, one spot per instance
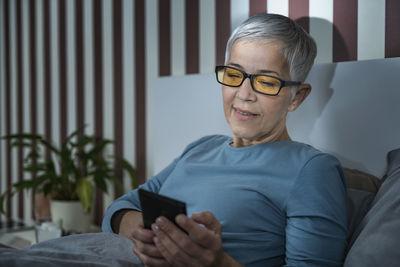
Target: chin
(244, 134)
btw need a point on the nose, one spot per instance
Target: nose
(245, 91)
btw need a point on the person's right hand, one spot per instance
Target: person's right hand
(132, 227)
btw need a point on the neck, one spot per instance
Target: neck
(281, 136)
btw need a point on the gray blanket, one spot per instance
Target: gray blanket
(98, 249)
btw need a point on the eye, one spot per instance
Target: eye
(267, 83)
(233, 75)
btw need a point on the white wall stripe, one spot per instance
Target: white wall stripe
(239, 12)
(178, 35)
(278, 7)
(207, 36)
(55, 75)
(151, 73)
(2, 105)
(27, 97)
(321, 28)
(108, 92)
(71, 67)
(13, 101)
(371, 29)
(128, 86)
(88, 67)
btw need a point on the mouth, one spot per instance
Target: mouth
(244, 114)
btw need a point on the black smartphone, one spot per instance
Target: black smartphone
(155, 205)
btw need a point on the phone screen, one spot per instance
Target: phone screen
(155, 205)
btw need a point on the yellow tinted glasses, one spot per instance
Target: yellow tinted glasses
(261, 83)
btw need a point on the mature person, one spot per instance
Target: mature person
(258, 198)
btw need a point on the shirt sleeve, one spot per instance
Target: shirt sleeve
(316, 227)
(131, 199)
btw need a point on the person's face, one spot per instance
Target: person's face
(255, 117)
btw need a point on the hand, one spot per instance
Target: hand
(202, 247)
(132, 227)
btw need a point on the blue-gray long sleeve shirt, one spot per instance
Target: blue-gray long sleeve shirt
(281, 203)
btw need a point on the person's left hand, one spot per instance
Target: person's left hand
(202, 247)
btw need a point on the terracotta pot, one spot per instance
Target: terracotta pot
(69, 215)
(42, 207)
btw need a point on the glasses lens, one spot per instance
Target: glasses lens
(266, 84)
(229, 76)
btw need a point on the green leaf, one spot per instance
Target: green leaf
(68, 139)
(28, 136)
(84, 141)
(85, 191)
(47, 188)
(35, 167)
(20, 143)
(3, 196)
(26, 184)
(131, 170)
(33, 154)
(49, 146)
(99, 147)
(100, 181)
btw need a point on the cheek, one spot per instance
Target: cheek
(275, 110)
(228, 95)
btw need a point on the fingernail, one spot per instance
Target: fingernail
(160, 221)
(180, 219)
(155, 227)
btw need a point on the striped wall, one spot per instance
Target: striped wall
(69, 62)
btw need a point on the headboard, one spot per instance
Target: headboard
(353, 112)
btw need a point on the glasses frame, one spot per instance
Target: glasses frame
(252, 76)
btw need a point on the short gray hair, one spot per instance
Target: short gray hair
(298, 47)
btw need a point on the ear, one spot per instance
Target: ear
(301, 94)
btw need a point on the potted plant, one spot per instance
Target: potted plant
(68, 174)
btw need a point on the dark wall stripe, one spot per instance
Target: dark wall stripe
(62, 40)
(345, 14)
(47, 72)
(98, 91)
(140, 90)
(33, 78)
(392, 29)
(20, 96)
(257, 7)
(223, 28)
(299, 11)
(118, 88)
(7, 100)
(80, 63)
(164, 35)
(192, 36)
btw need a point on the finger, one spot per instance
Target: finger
(147, 249)
(175, 237)
(143, 235)
(150, 261)
(205, 237)
(171, 252)
(209, 221)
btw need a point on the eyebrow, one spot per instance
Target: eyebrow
(258, 72)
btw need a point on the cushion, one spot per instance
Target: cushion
(359, 180)
(361, 190)
(376, 240)
(358, 204)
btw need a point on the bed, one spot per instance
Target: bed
(352, 113)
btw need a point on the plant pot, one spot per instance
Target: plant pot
(69, 215)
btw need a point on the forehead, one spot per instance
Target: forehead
(258, 55)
